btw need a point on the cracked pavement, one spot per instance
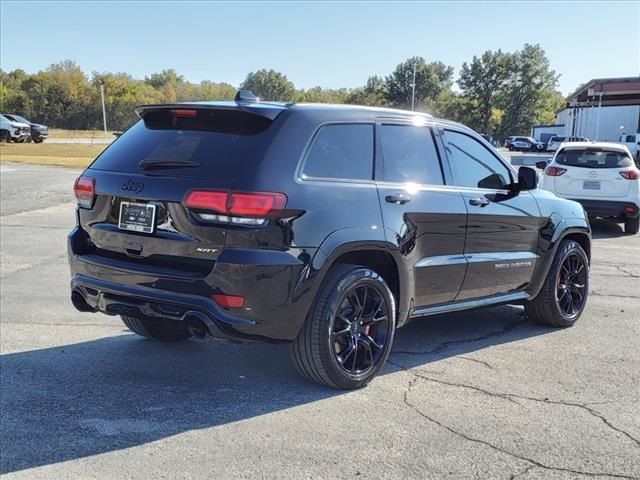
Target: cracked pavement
(483, 394)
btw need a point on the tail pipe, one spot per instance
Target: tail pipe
(80, 303)
(198, 325)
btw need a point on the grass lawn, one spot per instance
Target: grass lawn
(65, 155)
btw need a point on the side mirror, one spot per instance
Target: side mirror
(527, 179)
(541, 165)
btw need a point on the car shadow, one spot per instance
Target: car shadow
(603, 228)
(79, 400)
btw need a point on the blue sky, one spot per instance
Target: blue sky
(329, 44)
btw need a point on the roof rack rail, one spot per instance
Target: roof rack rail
(245, 96)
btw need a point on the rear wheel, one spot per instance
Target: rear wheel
(160, 329)
(632, 225)
(564, 293)
(348, 334)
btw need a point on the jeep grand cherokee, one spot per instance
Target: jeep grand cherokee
(323, 226)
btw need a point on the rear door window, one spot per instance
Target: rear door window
(341, 151)
(409, 155)
(216, 144)
(592, 158)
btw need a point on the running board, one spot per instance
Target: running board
(470, 304)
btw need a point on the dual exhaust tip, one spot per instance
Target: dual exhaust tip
(197, 324)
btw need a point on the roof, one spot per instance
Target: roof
(619, 86)
(272, 109)
(615, 147)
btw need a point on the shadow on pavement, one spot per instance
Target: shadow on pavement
(74, 401)
(603, 228)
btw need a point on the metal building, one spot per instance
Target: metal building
(601, 109)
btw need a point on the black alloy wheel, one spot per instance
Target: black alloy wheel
(571, 285)
(359, 329)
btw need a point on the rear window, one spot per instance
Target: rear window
(591, 158)
(219, 143)
(341, 151)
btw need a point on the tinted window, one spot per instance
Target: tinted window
(341, 151)
(592, 158)
(473, 164)
(224, 144)
(409, 155)
(557, 139)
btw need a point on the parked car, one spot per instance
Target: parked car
(12, 131)
(554, 142)
(38, 132)
(270, 221)
(525, 144)
(632, 142)
(601, 176)
(507, 142)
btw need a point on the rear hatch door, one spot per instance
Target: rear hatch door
(138, 220)
(592, 173)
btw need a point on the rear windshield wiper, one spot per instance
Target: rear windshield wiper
(149, 164)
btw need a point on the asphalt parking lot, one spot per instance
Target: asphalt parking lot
(485, 394)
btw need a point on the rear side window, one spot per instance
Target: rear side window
(341, 151)
(409, 155)
(592, 158)
(216, 144)
(557, 139)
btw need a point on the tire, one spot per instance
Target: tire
(38, 140)
(334, 325)
(632, 225)
(160, 329)
(548, 307)
(4, 136)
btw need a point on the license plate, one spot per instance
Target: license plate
(589, 185)
(138, 217)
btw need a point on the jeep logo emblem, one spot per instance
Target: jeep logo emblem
(131, 186)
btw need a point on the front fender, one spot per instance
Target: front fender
(551, 236)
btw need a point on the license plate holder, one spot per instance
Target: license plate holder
(137, 217)
(591, 185)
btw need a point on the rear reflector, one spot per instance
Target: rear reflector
(229, 301)
(84, 190)
(184, 113)
(235, 204)
(554, 171)
(633, 174)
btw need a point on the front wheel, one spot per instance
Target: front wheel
(349, 331)
(563, 296)
(160, 329)
(632, 225)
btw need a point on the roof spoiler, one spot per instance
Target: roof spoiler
(265, 110)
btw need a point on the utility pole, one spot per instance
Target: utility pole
(413, 89)
(104, 111)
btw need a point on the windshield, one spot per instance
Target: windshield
(592, 158)
(20, 119)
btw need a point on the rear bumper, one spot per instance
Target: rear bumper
(274, 308)
(608, 208)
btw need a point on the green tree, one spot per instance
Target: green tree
(482, 82)
(374, 93)
(531, 81)
(269, 85)
(431, 80)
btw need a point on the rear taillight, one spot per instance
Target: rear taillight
(245, 208)
(85, 192)
(229, 301)
(554, 171)
(633, 174)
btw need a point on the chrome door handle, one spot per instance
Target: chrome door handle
(397, 198)
(479, 202)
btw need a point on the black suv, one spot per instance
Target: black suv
(323, 226)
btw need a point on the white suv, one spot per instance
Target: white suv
(13, 131)
(601, 176)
